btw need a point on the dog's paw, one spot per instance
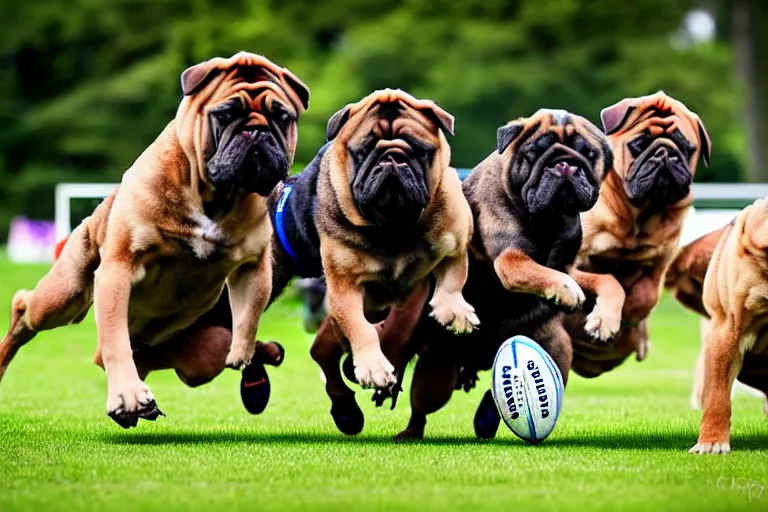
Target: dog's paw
(643, 347)
(409, 434)
(454, 313)
(381, 395)
(566, 294)
(373, 370)
(713, 448)
(602, 325)
(467, 380)
(240, 355)
(128, 401)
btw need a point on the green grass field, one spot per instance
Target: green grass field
(621, 443)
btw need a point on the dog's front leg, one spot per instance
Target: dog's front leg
(128, 398)
(722, 361)
(448, 304)
(346, 306)
(249, 288)
(519, 273)
(604, 321)
(644, 294)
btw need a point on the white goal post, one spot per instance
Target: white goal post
(715, 204)
(65, 192)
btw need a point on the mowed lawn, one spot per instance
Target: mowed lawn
(621, 443)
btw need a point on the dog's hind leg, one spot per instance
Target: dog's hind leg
(327, 351)
(434, 379)
(61, 297)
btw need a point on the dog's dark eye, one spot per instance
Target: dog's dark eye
(282, 115)
(639, 144)
(685, 146)
(226, 113)
(545, 141)
(581, 145)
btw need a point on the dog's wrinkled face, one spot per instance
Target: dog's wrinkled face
(248, 108)
(392, 148)
(657, 143)
(555, 161)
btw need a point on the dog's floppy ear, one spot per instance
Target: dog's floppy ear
(335, 123)
(706, 143)
(615, 116)
(193, 78)
(444, 120)
(507, 133)
(297, 86)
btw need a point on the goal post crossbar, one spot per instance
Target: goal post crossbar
(718, 200)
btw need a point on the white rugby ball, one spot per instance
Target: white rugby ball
(527, 387)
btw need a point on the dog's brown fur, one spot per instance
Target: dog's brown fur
(686, 278)
(156, 253)
(735, 291)
(353, 260)
(686, 273)
(627, 247)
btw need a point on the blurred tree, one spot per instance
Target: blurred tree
(85, 85)
(749, 23)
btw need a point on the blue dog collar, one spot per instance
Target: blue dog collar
(280, 227)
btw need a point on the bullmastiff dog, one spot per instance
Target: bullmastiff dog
(188, 217)
(525, 198)
(388, 212)
(632, 234)
(685, 278)
(735, 297)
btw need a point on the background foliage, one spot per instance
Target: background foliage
(85, 85)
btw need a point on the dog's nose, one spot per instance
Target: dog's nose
(251, 134)
(564, 170)
(667, 156)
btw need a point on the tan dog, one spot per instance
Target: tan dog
(189, 216)
(389, 213)
(686, 277)
(632, 234)
(736, 300)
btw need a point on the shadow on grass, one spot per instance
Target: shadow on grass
(668, 441)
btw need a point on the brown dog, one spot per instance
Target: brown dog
(735, 298)
(189, 216)
(632, 234)
(686, 278)
(389, 213)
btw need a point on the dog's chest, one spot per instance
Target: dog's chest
(173, 293)
(391, 276)
(175, 287)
